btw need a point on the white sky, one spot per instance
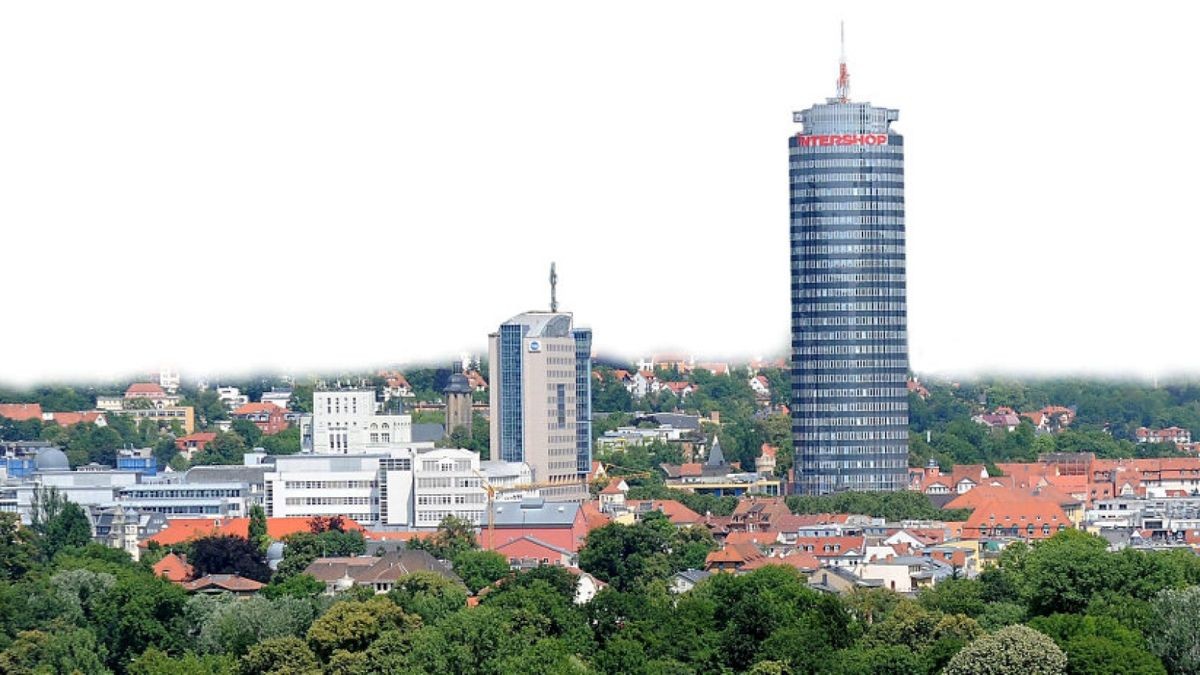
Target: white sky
(229, 185)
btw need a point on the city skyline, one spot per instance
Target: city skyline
(262, 165)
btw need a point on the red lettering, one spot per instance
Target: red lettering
(823, 140)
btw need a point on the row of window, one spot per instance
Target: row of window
(856, 392)
(813, 322)
(181, 493)
(851, 263)
(863, 464)
(872, 277)
(862, 306)
(834, 235)
(330, 501)
(866, 150)
(851, 364)
(848, 248)
(437, 516)
(443, 483)
(848, 192)
(329, 484)
(849, 378)
(852, 205)
(845, 350)
(850, 292)
(869, 406)
(446, 466)
(849, 450)
(850, 221)
(850, 421)
(447, 500)
(876, 435)
(873, 177)
(859, 335)
(797, 164)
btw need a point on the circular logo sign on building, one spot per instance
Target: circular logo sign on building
(535, 346)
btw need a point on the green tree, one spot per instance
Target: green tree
(1016, 650)
(257, 529)
(249, 431)
(280, 656)
(453, 536)
(478, 569)
(227, 554)
(62, 650)
(302, 398)
(294, 586)
(68, 528)
(17, 547)
(226, 448)
(1174, 634)
(352, 625)
(428, 595)
(156, 662)
(1064, 572)
(229, 625)
(286, 442)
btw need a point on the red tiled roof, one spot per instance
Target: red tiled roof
(21, 412)
(800, 561)
(613, 487)
(144, 389)
(375, 535)
(256, 408)
(755, 538)
(180, 530)
(1019, 513)
(826, 547)
(737, 553)
(67, 419)
(593, 517)
(675, 511)
(226, 582)
(173, 568)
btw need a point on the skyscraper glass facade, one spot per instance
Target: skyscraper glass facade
(583, 399)
(849, 315)
(510, 412)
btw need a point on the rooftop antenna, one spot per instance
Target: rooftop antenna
(843, 83)
(553, 283)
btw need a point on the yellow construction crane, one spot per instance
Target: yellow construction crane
(631, 474)
(492, 491)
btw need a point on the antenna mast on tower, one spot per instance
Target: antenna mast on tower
(843, 83)
(553, 283)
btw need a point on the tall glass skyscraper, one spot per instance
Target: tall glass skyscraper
(849, 317)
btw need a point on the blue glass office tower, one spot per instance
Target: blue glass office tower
(849, 318)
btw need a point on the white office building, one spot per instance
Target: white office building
(373, 489)
(347, 422)
(448, 483)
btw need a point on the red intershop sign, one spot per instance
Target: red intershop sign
(841, 139)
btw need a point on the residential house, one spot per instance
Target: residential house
(268, 417)
(682, 582)
(761, 387)
(526, 552)
(192, 444)
(377, 573)
(174, 568)
(212, 584)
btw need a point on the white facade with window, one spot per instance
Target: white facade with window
(448, 483)
(371, 489)
(345, 422)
